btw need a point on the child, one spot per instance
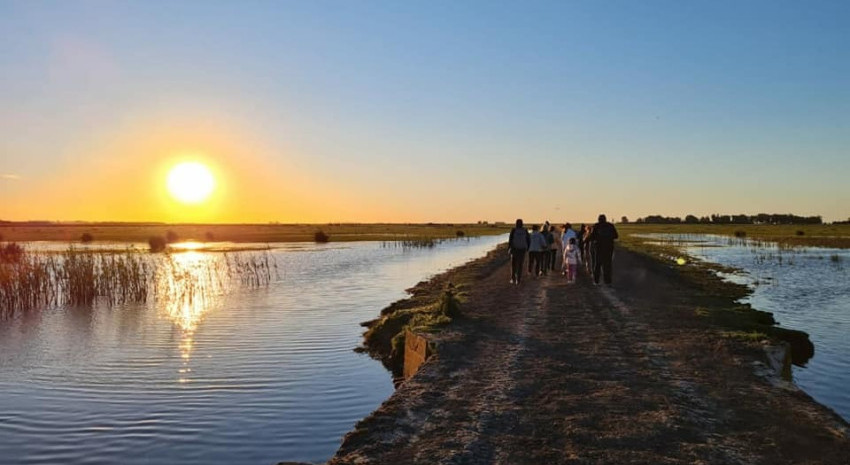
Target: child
(572, 257)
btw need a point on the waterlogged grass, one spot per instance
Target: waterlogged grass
(31, 281)
(432, 305)
(387, 334)
(336, 232)
(719, 299)
(823, 235)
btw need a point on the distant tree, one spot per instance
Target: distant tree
(691, 219)
(209, 236)
(624, 220)
(658, 219)
(459, 233)
(86, 238)
(171, 237)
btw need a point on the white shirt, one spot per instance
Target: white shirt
(571, 255)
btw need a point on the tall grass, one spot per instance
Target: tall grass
(82, 278)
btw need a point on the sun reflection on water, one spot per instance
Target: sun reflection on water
(189, 285)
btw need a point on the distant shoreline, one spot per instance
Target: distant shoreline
(336, 232)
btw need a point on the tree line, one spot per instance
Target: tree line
(761, 218)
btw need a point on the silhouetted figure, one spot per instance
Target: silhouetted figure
(518, 243)
(589, 249)
(604, 234)
(554, 248)
(582, 234)
(572, 258)
(546, 256)
(536, 250)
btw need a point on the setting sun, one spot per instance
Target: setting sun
(190, 182)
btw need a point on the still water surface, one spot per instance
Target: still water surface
(238, 376)
(806, 288)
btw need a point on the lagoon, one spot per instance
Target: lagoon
(806, 288)
(238, 375)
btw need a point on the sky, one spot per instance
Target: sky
(443, 111)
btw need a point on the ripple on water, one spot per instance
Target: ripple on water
(256, 377)
(806, 291)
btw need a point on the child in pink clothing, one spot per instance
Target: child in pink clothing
(572, 257)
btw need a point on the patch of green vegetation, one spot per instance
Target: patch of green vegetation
(386, 335)
(815, 235)
(719, 299)
(432, 305)
(748, 336)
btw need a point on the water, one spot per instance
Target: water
(806, 288)
(241, 376)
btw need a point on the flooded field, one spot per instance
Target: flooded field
(208, 367)
(806, 288)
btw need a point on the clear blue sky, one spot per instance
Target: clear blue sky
(439, 111)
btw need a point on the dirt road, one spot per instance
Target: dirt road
(549, 373)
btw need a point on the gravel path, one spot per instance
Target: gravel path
(548, 372)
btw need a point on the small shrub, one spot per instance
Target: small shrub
(86, 238)
(460, 233)
(801, 233)
(835, 258)
(209, 236)
(11, 253)
(157, 244)
(171, 237)
(740, 233)
(320, 237)
(449, 303)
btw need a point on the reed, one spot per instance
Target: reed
(77, 277)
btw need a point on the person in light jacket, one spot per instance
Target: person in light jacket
(538, 246)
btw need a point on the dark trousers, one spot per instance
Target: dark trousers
(553, 259)
(535, 259)
(604, 254)
(544, 261)
(517, 258)
(590, 256)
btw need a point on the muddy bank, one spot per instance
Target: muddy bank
(432, 305)
(547, 372)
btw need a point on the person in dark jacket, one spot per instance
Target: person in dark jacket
(518, 243)
(604, 234)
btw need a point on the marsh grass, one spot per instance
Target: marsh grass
(721, 299)
(30, 281)
(824, 235)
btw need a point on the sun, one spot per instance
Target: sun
(190, 182)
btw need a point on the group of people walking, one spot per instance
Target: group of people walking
(548, 246)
